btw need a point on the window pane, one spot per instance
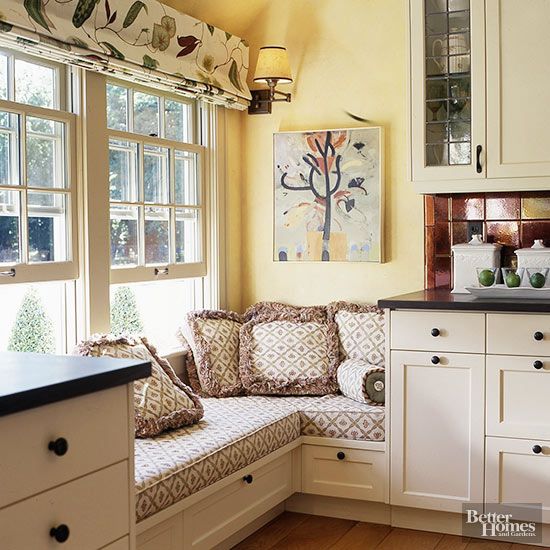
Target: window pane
(35, 84)
(188, 235)
(155, 174)
(146, 114)
(47, 226)
(157, 244)
(45, 153)
(117, 107)
(9, 227)
(137, 305)
(3, 77)
(124, 235)
(122, 171)
(177, 117)
(186, 178)
(33, 318)
(9, 149)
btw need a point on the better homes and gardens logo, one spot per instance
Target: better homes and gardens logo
(516, 522)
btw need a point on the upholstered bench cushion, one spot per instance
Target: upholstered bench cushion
(234, 432)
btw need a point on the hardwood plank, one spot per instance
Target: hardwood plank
(478, 544)
(409, 539)
(453, 542)
(363, 536)
(271, 533)
(316, 533)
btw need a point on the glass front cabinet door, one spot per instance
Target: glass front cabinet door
(447, 90)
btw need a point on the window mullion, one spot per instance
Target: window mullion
(24, 198)
(141, 202)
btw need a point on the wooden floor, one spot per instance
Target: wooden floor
(297, 531)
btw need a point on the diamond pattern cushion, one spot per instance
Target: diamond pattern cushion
(214, 338)
(161, 401)
(287, 354)
(361, 381)
(234, 433)
(361, 331)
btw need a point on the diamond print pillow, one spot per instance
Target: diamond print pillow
(362, 382)
(161, 401)
(289, 354)
(361, 331)
(214, 339)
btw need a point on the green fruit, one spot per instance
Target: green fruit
(486, 278)
(537, 280)
(513, 280)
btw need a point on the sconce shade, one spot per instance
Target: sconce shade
(273, 65)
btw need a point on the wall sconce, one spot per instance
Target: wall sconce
(272, 69)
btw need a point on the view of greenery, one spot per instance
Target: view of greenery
(125, 317)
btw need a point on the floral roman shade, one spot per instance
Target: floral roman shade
(142, 41)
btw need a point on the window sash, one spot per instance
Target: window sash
(26, 271)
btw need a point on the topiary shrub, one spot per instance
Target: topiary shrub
(125, 317)
(33, 329)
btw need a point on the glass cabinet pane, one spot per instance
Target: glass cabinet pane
(448, 82)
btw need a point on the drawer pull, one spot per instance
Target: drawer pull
(59, 447)
(340, 455)
(538, 365)
(538, 336)
(537, 449)
(435, 332)
(60, 533)
(248, 479)
(436, 360)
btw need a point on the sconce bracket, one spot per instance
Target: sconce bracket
(260, 103)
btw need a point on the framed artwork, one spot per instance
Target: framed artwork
(329, 191)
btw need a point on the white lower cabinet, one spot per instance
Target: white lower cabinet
(343, 472)
(518, 472)
(437, 429)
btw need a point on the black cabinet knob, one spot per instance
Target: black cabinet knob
(436, 360)
(538, 336)
(537, 449)
(248, 479)
(59, 447)
(340, 455)
(435, 332)
(538, 364)
(60, 533)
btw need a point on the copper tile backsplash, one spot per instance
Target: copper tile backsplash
(512, 219)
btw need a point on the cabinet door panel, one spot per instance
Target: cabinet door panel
(518, 88)
(516, 475)
(447, 91)
(437, 430)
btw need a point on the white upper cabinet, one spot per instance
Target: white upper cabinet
(479, 91)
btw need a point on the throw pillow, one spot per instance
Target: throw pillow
(362, 382)
(263, 309)
(289, 354)
(161, 401)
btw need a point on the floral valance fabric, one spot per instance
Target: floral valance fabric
(143, 41)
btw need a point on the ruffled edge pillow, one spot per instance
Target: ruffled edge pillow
(201, 369)
(260, 385)
(149, 427)
(378, 359)
(267, 309)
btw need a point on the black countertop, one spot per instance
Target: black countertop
(443, 299)
(28, 380)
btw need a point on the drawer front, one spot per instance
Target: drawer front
(222, 514)
(95, 508)
(510, 334)
(517, 396)
(453, 332)
(515, 474)
(120, 544)
(167, 535)
(95, 427)
(343, 472)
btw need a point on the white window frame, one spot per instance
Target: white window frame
(36, 272)
(169, 270)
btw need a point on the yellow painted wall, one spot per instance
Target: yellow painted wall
(346, 55)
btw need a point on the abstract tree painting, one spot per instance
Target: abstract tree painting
(329, 195)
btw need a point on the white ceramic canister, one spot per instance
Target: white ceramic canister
(536, 256)
(468, 257)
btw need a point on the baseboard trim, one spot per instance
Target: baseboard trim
(426, 520)
(358, 510)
